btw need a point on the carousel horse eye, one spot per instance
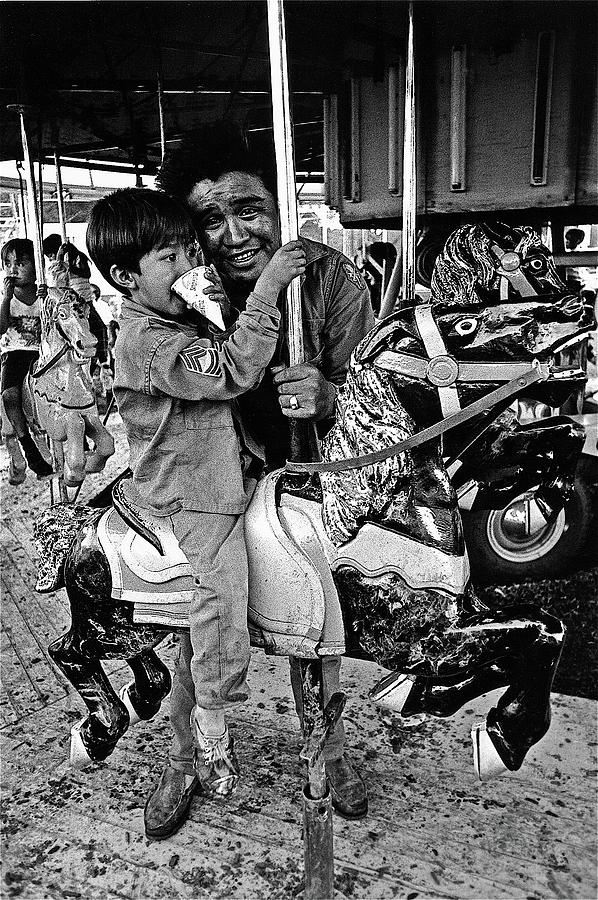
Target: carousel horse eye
(465, 327)
(536, 264)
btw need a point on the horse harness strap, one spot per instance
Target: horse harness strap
(510, 271)
(537, 373)
(53, 359)
(442, 368)
(413, 366)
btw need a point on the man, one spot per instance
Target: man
(231, 198)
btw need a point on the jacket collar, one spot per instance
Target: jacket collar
(313, 250)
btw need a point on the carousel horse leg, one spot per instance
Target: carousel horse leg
(143, 696)
(522, 715)
(519, 647)
(74, 456)
(94, 737)
(103, 445)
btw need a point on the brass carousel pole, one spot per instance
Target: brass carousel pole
(317, 722)
(60, 197)
(409, 171)
(304, 442)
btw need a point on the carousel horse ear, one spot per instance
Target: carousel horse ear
(502, 234)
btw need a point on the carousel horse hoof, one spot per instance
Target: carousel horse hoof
(486, 760)
(79, 757)
(16, 475)
(392, 692)
(125, 697)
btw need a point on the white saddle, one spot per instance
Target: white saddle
(294, 608)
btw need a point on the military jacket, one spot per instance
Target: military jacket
(174, 392)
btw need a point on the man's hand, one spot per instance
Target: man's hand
(303, 392)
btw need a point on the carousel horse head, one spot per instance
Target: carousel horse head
(498, 309)
(67, 323)
(480, 260)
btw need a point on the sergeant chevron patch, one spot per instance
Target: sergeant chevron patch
(201, 361)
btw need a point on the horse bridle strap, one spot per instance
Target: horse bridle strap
(423, 370)
(52, 361)
(537, 373)
(510, 271)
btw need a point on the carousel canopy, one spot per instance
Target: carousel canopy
(89, 73)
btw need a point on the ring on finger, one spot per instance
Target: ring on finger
(293, 402)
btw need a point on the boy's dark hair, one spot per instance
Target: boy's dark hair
(20, 247)
(51, 244)
(209, 151)
(131, 222)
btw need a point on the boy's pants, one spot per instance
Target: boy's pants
(214, 655)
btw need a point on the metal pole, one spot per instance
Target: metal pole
(303, 436)
(32, 212)
(60, 197)
(161, 115)
(285, 166)
(40, 272)
(409, 171)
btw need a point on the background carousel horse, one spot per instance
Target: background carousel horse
(389, 529)
(62, 389)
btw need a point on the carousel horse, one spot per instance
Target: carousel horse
(62, 389)
(361, 553)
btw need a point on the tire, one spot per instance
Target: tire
(503, 551)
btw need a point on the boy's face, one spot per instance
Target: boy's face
(22, 270)
(158, 270)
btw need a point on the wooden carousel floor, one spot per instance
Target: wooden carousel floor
(432, 830)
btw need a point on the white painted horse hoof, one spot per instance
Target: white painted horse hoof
(124, 696)
(486, 760)
(392, 692)
(79, 757)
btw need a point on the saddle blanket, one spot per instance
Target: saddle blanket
(161, 594)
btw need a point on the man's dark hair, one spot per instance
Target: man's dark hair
(51, 244)
(209, 151)
(20, 247)
(131, 222)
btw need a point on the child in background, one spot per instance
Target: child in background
(20, 331)
(175, 385)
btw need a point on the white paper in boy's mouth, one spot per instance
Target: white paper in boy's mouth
(189, 288)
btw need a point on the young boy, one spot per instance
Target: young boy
(175, 385)
(20, 330)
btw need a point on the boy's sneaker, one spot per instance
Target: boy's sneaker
(215, 761)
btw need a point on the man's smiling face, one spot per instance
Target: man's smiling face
(237, 222)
